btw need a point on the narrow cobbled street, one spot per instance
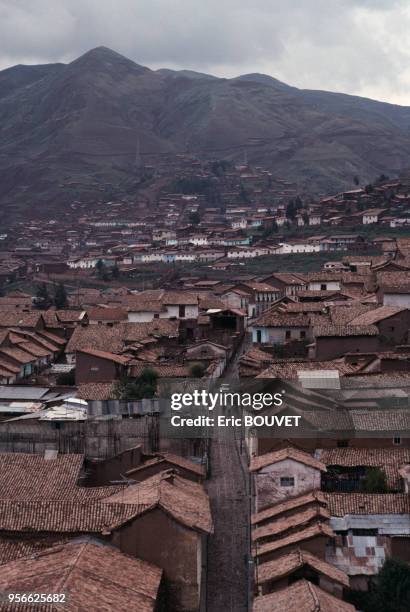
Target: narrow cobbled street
(228, 552)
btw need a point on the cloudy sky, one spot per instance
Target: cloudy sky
(355, 46)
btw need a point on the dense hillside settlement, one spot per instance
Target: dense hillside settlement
(210, 271)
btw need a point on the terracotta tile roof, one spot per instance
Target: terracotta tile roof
(304, 307)
(28, 477)
(106, 314)
(339, 331)
(12, 548)
(70, 316)
(289, 523)
(369, 380)
(120, 359)
(318, 293)
(50, 319)
(302, 596)
(115, 338)
(275, 319)
(8, 367)
(33, 349)
(314, 497)
(367, 503)
(164, 370)
(298, 536)
(51, 337)
(376, 315)
(289, 369)
(90, 572)
(340, 315)
(186, 501)
(175, 460)
(254, 361)
(23, 319)
(135, 303)
(65, 516)
(257, 463)
(96, 391)
(393, 279)
(289, 563)
(260, 287)
(181, 297)
(17, 354)
(211, 302)
(382, 420)
(388, 459)
(324, 275)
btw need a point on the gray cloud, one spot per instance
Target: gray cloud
(356, 46)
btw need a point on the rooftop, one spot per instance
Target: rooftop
(83, 569)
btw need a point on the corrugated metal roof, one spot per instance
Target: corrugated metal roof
(22, 393)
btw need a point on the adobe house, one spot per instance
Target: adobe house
(393, 322)
(302, 595)
(226, 320)
(159, 462)
(289, 507)
(87, 566)
(133, 465)
(284, 473)
(288, 284)
(315, 539)
(277, 328)
(105, 471)
(99, 366)
(206, 351)
(170, 531)
(164, 520)
(370, 527)
(287, 525)
(336, 340)
(298, 564)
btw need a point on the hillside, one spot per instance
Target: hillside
(72, 130)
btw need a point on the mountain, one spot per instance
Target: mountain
(72, 130)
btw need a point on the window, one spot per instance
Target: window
(181, 311)
(287, 481)
(323, 287)
(396, 440)
(342, 443)
(303, 334)
(156, 315)
(287, 334)
(94, 369)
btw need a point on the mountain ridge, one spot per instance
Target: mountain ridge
(80, 122)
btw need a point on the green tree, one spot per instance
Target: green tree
(66, 378)
(141, 387)
(43, 299)
(244, 195)
(375, 481)
(291, 210)
(391, 591)
(100, 266)
(101, 269)
(194, 218)
(115, 272)
(197, 370)
(60, 296)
